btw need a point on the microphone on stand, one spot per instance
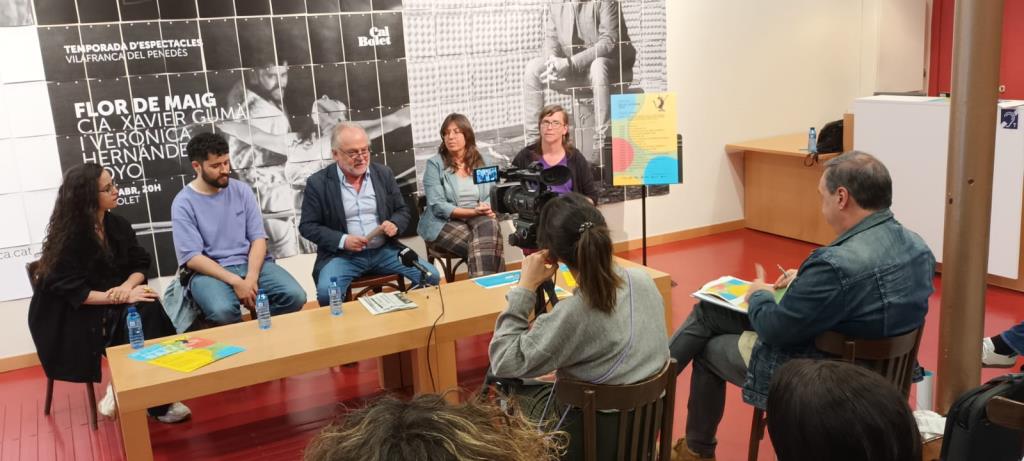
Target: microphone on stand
(409, 258)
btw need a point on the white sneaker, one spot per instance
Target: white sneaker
(177, 413)
(990, 359)
(108, 406)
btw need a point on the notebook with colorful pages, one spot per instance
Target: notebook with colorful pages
(730, 293)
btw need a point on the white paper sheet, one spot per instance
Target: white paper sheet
(12, 272)
(14, 232)
(21, 55)
(28, 106)
(38, 162)
(9, 182)
(38, 206)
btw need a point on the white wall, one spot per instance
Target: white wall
(743, 69)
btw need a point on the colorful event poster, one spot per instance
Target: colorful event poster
(184, 354)
(644, 147)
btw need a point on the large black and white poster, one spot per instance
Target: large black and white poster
(485, 59)
(131, 82)
(126, 84)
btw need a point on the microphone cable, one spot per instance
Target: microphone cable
(430, 369)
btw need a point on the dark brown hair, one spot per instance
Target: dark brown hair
(70, 233)
(825, 409)
(576, 233)
(566, 140)
(472, 158)
(427, 428)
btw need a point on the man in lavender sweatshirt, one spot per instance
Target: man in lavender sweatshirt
(218, 233)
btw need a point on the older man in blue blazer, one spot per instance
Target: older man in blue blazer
(352, 211)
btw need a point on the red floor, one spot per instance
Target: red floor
(275, 420)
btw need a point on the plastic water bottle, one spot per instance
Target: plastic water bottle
(263, 310)
(812, 141)
(135, 337)
(336, 297)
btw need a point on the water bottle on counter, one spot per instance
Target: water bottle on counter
(134, 321)
(263, 310)
(336, 297)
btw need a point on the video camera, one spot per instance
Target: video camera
(522, 192)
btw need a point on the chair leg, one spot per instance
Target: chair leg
(91, 393)
(449, 272)
(756, 434)
(49, 396)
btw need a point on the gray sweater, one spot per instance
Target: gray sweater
(580, 342)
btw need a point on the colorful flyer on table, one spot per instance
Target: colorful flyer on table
(184, 354)
(512, 277)
(644, 146)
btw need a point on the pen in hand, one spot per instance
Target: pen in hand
(785, 280)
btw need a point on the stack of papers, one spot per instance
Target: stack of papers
(381, 303)
(730, 293)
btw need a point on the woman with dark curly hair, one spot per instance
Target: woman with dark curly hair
(90, 270)
(429, 429)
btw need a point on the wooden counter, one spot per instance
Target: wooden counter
(780, 193)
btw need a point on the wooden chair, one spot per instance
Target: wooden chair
(450, 262)
(375, 284)
(645, 413)
(893, 358)
(90, 393)
(1006, 412)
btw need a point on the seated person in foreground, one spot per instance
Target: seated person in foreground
(837, 411)
(91, 269)
(427, 428)
(612, 331)
(871, 282)
(344, 204)
(458, 217)
(1001, 351)
(218, 233)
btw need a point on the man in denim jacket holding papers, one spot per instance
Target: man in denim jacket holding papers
(873, 281)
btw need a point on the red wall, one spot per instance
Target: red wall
(1011, 70)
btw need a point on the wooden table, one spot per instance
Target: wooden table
(780, 194)
(310, 340)
(468, 319)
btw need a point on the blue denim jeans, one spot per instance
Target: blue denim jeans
(378, 261)
(1014, 337)
(220, 305)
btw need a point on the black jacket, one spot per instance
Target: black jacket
(323, 214)
(69, 336)
(582, 176)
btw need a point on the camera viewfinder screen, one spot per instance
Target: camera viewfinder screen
(485, 175)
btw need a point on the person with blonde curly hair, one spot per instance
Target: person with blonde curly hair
(427, 428)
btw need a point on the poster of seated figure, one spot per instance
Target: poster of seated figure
(126, 84)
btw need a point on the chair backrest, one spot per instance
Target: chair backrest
(1006, 412)
(894, 358)
(31, 269)
(645, 413)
